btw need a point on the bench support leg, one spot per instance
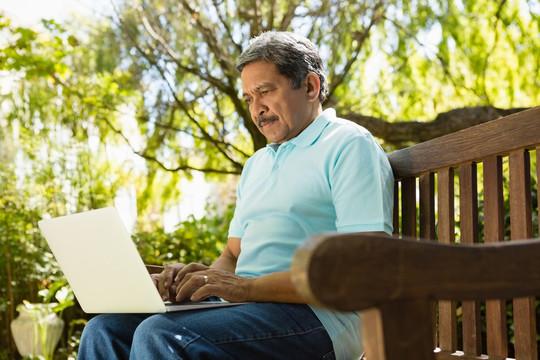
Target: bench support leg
(407, 326)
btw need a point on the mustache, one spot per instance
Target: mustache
(262, 119)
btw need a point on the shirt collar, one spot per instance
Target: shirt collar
(312, 132)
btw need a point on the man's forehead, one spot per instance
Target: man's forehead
(259, 75)
(264, 85)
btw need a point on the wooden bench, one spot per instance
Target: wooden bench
(414, 295)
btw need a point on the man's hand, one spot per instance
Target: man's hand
(165, 282)
(196, 282)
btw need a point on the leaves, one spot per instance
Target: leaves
(195, 240)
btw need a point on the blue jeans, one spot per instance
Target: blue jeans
(251, 331)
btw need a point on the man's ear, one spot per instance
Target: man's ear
(313, 86)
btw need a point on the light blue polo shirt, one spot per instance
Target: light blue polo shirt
(334, 176)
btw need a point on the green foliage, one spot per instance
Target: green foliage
(48, 165)
(439, 55)
(25, 265)
(194, 240)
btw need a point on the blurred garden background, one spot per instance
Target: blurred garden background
(137, 104)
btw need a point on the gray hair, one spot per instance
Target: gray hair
(294, 56)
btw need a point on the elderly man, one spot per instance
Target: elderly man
(318, 174)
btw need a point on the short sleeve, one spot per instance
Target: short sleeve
(235, 226)
(362, 186)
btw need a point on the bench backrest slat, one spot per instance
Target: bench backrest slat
(408, 200)
(496, 330)
(446, 234)
(521, 228)
(427, 206)
(468, 204)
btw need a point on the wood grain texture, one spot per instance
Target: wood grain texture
(521, 228)
(496, 330)
(427, 206)
(390, 321)
(446, 234)
(497, 137)
(408, 207)
(468, 204)
(337, 269)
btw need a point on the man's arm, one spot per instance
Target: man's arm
(196, 281)
(227, 260)
(222, 282)
(276, 287)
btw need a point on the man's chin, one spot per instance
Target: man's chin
(275, 140)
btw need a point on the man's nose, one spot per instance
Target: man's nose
(258, 108)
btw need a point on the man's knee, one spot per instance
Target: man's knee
(108, 336)
(95, 327)
(150, 328)
(95, 338)
(101, 325)
(145, 330)
(152, 340)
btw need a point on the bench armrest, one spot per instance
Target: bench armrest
(357, 271)
(154, 269)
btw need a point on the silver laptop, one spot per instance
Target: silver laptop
(103, 267)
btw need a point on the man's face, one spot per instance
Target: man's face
(279, 112)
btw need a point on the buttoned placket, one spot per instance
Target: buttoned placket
(278, 157)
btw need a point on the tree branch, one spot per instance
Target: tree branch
(441, 60)
(154, 159)
(288, 16)
(221, 142)
(227, 65)
(360, 38)
(405, 133)
(237, 46)
(229, 69)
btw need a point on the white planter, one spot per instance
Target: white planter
(37, 330)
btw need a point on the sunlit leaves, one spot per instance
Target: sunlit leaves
(455, 54)
(194, 240)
